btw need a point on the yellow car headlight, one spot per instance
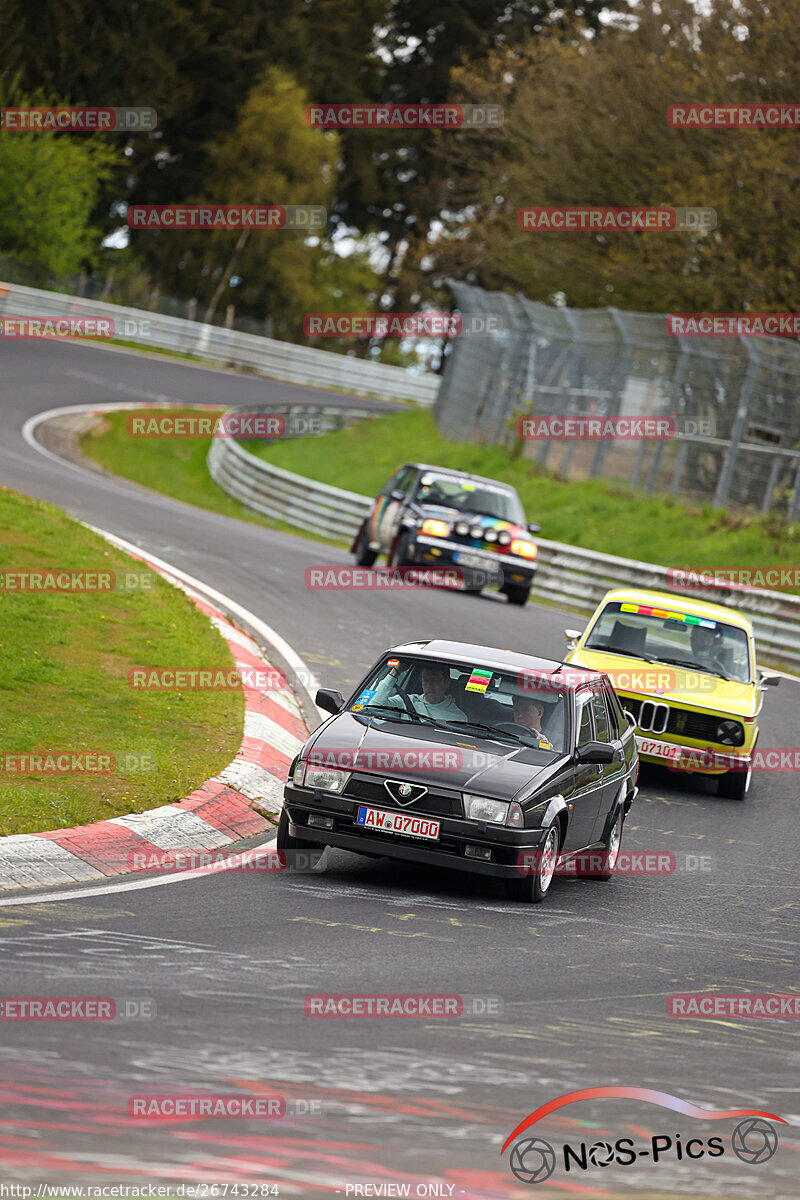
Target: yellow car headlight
(435, 528)
(523, 549)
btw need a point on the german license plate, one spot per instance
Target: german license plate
(659, 749)
(471, 560)
(395, 822)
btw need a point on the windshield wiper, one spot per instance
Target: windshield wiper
(623, 653)
(412, 714)
(497, 734)
(693, 666)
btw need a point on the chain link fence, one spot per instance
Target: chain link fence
(735, 401)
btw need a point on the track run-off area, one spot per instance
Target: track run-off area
(578, 985)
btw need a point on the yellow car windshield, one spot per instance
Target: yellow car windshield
(670, 636)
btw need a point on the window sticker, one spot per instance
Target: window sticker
(646, 611)
(366, 695)
(478, 680)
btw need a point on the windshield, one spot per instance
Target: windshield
(464, 495)
(477, 702)
(667, 635)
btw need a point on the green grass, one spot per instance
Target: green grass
(173, 466)
(64, 662)
(594, 513)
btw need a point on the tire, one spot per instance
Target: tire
(517, 593)
(533, 888)
(399, 556)
(364, 556)
(611, 846)
(734, 785)
(285, 840)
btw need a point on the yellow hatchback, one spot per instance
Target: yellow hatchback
(686, 671)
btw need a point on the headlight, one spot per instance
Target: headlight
(480, 808)
(327, 779)
(462, 528)
(476, 532)
(730, 733)
(504, 538)
(435, 528)
(491, 535)
(523, 549)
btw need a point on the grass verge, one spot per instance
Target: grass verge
(64, 687)
(595, 513)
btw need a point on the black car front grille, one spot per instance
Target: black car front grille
(682, 722)
(435, 802)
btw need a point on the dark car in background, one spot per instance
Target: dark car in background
(437, 517)
(459, 756)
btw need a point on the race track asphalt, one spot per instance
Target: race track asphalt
(580, 982)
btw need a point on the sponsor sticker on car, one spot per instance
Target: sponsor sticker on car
(394, 822)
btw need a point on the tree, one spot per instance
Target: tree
(586, 124)
(49, 186)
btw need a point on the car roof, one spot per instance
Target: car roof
(502, 660)
(461, 474)
(679, 603)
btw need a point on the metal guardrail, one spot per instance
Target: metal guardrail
(567, 574)
(304, 365)
(283, 496)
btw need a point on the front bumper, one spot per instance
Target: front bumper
(692, 759)
(498, 569)
(455, 834)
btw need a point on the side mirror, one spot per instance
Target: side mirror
(329, 700)
(595, 752)
(767, 679)
(573, 637)
(397, 495)
(534, 528)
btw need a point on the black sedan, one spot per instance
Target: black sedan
(454, 755)
(437, 517)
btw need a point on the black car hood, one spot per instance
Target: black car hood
(460, 761)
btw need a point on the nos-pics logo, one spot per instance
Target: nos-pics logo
(533, 1160)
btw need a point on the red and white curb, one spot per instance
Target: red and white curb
(221, 811)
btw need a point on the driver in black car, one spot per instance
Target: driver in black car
(528, 711)
(433, 701)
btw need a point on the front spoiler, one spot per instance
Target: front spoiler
(455, 833)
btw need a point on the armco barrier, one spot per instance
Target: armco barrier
(567, 575)
(302, 365)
